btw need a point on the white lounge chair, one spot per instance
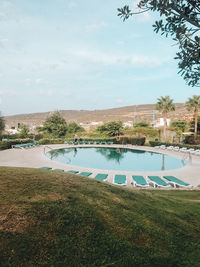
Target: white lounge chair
(170, 148)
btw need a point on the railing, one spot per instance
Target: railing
(47, 147)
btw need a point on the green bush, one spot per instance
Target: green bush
(192, 140)
(10, 143)
(46, 141)
(139, 141)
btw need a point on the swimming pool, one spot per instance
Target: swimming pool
(121, 159)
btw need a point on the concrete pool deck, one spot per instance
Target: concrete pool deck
(35, 158)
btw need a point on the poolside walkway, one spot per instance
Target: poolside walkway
(35, 158)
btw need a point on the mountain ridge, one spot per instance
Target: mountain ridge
(143, 112)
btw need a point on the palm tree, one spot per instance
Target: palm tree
(194, 103)
(165, 104)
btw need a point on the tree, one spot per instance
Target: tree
(112, 128)
(192, 124)
(181, 20)
(165, 104)
(182, 125)
(55, 125)
(193, 103)
(24, 131)
(141, 124)
(73, 127)
(2, 124)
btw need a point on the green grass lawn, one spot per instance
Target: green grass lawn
(49, 218)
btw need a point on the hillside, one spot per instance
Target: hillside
(143, 112)
(49, 218)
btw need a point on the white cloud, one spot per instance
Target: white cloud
(8, 11)
(72, 4)
(46, 92)
(27, 81)
(95, 26)
(143, 17)
(0, 99)
(5, 92)
(119, 100)
(38, 81)
(113, 59)
(3, 42)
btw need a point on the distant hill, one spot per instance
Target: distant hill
(125, 114)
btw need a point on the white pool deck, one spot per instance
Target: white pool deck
(35, 158)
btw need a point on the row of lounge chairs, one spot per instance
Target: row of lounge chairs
(181, 149)
(89, 142)
(138, 180)
(26, 145)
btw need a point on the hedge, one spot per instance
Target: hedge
(138, 141)
(8, 144)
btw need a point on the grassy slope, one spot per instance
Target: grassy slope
(49, 218)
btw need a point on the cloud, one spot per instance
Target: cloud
(72, 4)
(143, 17)
(119, 100)
(116, 59)
(8, 11)
(39, 81)
(95, 26)
(48, 92)
(3, 42)
(5, 92)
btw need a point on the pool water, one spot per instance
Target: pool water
(121, 159)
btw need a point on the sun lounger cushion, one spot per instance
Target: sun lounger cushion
(72, 171)
(46, 168)
(120, 179)
(139, 180)
(176, 180)
(158, 181)
(85, 173)
(101, 176)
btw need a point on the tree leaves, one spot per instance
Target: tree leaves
(182, 21)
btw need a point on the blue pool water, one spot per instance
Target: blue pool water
(108, 158)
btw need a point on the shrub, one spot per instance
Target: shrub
(8, 144)
(46, 141)
(111, 128)
(139, 141)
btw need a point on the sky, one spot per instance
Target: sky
(75, 54)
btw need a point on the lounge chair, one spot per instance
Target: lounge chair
(72, 171)
(101, 176)
(59, 170)
(157, 181)
(176, 148)
(85, 173)
(45, 168)
(191, 150)
(170, 148)
(176, 182)
(120, 179)
(139, 180)
(109, 143)
(163, 147)
(103, 142)
(183, 149)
